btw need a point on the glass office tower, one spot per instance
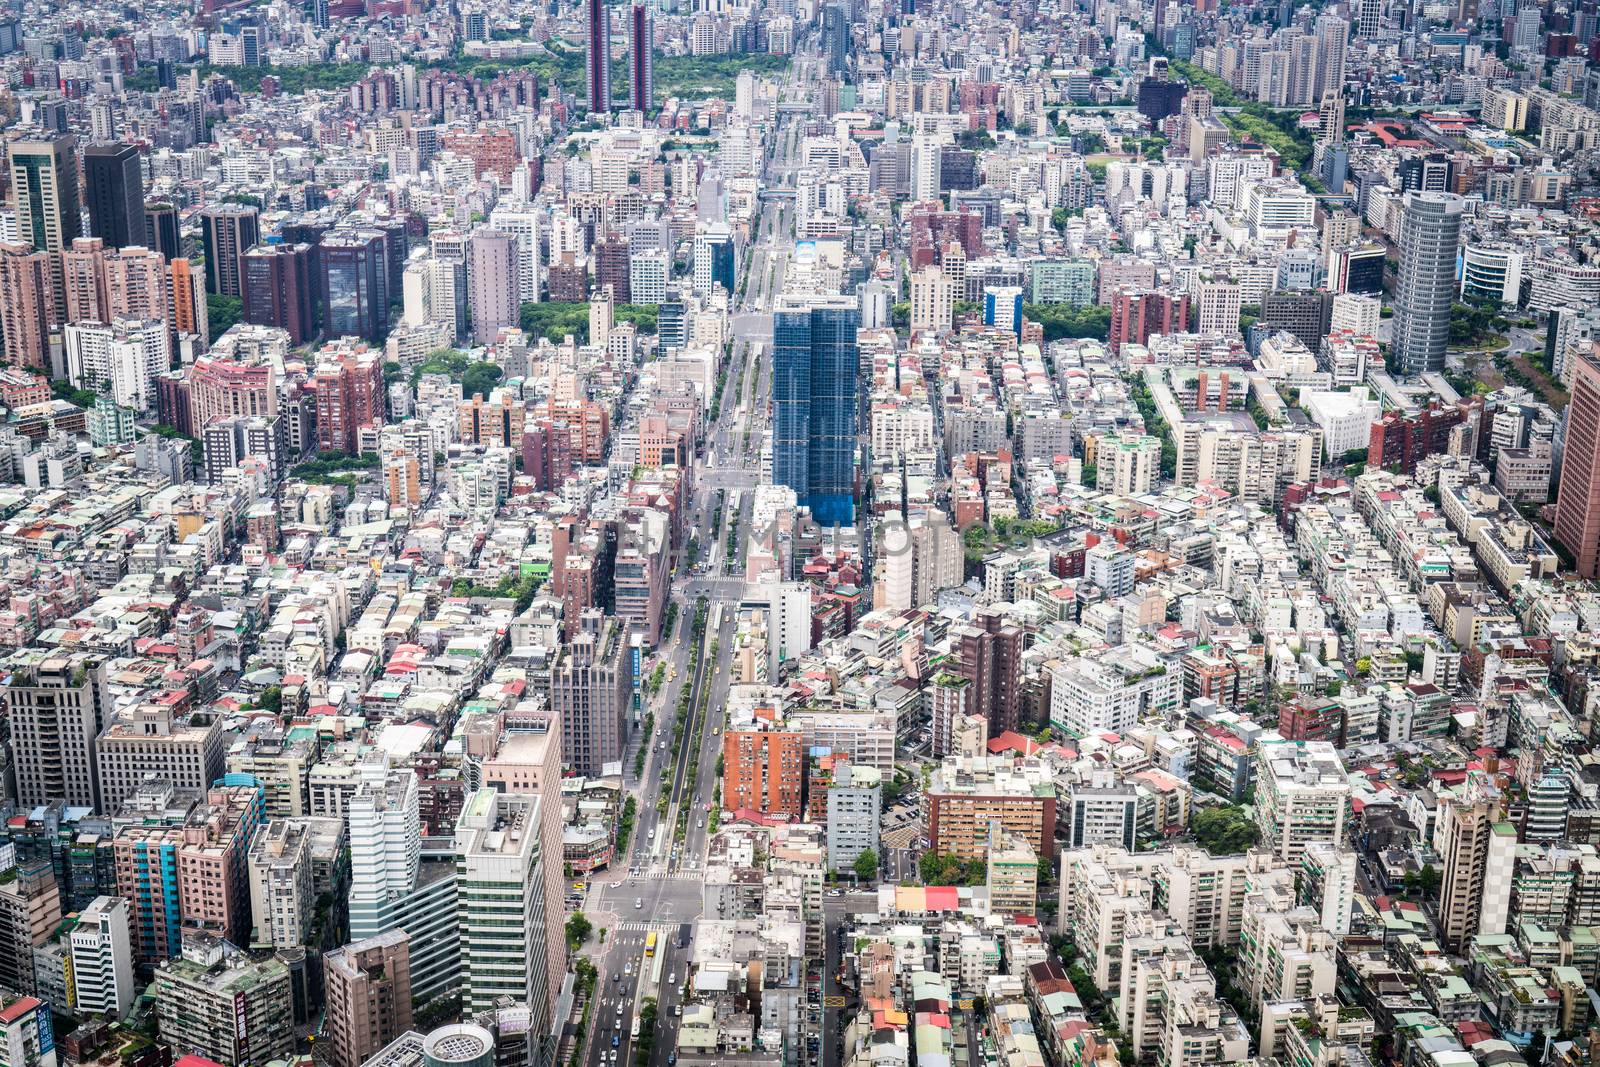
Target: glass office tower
(815, 364)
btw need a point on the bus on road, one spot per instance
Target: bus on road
(650, 944)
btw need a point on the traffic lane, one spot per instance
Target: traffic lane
(609, 992)
(710, 725)
(711, 745)
(834, 911)
(832, 1024)
(618, 964)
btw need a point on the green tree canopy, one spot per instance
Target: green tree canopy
(1423, 884)
(942, 869)
(221, 313)
(1225, 830)
(867, 865)
(480, 379)
(578, 930)
(1061, 320)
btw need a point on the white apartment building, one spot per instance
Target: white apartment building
(123, 358)
(1102, 810)
(789, 629)
(648, 271)
(416, 293)
(522, 223)
(892, 586)
(707, 250)
(868, 734)
(1170, 1009)
(385, 845)
(1302, 796)
(1203, 894)
(390, 887)
(924, 168)
(901, 427)
(1284, 952)
(1346, 418)
(1127, 464)
(1101, 890)
(854, 815)
(1217, 304)
(1330, 880)
(1354, 312)
(932, 300)
(1090, 696)
(102, 959)
(1277, 206)
(1228, 174)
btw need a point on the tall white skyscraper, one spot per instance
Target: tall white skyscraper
(1430, 232)
(714, 262)
(788, 625)
(521, 222)
(500, 907)
(385, 845)
(924, 168)
(102, 958)
(932, 299)
(744, 94)
(390, 885)
(647, 276)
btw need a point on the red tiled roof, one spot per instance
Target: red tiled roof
(1010, 740)
(18, 1008)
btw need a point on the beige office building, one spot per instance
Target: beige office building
(367, 996)
(153, 740)
(1478, 851)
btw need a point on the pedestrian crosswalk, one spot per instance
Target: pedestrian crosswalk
(640, 927)
(662, 874)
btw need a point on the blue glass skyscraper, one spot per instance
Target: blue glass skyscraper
(835, 37)
(815, 365)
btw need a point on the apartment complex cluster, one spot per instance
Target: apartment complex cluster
(952, 533)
